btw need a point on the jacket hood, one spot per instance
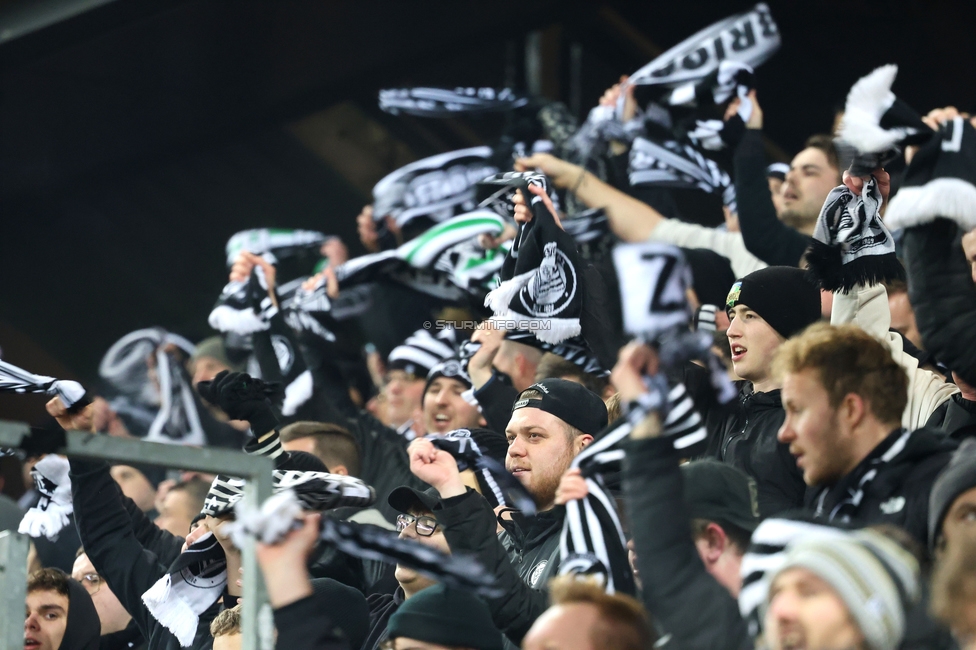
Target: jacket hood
(83, 628)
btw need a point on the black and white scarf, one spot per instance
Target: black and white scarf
(498, 486)
(193, 583)
(672, 164)
(170, 407)
(277, 516)
(574, 350)
(584, 544)
(840, 502)
(940, 181)
(18, 380)
(851, 245)
(53, 510)
(541, 289)
(654, 278)
(766, 554)
(280, 242)
(442, 102)
(438, 187)
(750, 38)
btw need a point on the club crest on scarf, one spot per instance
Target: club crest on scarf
(553, 287)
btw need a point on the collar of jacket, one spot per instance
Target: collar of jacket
(529, 532)
(769, 399)
(923, 443)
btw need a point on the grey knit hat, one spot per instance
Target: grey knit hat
(954, 479)
(875, 578)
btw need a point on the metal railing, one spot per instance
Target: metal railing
(257, 471)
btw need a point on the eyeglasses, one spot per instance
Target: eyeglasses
(92, 582)
(425, 525)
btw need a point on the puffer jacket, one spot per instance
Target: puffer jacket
(941, 289)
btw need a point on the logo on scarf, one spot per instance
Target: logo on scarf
(552, 287)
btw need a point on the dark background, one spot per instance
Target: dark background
(136, 135)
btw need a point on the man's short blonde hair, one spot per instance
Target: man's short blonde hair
(848, 360)
(226, 622)
(622, 623)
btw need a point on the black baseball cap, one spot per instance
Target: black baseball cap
(569, 401)
(403, 498)
(721, 493)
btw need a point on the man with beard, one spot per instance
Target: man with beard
(552, 421)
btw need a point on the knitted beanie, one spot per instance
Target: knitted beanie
(957, 477)
(781, 295)
(874, 577)
(446, 617)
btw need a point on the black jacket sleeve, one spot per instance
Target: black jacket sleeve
(496, 398)
(163, 544)
(956, 417)
(941, 290)
(305, 625)
(469, 526)
(677, 590)
(764, 234)
(107, 534)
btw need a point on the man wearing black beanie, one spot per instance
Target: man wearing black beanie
(765, 308)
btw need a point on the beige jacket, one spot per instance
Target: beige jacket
(867, 307)
(727, 244)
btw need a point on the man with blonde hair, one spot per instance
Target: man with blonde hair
(583, 616)
(844, 396)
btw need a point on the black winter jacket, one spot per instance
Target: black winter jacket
(687, 602)
(899, 492)
(744, 436)
(523, 557)
(303, 625)
(128, 550)
(764, 234)
(941, 289)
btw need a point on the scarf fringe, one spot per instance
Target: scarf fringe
(499, 299)
(948, 198)
(225, 318)
(171, 611)
(826, 269)
(867, 101)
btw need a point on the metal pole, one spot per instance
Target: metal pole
(256, 470)
(13, 579)
(576, 80)
(533, 63)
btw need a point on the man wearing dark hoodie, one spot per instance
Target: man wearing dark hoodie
(60, 613)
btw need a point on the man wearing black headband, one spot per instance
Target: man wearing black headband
(552, 421)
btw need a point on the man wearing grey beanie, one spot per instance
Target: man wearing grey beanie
(841, 592)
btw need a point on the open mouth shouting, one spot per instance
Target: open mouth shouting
(738, 351)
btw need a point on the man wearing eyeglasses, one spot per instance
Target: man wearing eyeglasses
(115, 621)
(416, 521)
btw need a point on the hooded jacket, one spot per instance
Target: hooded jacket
(83, 628)
(128, 550)
(743, 435)
(905, 465)
(522, 558)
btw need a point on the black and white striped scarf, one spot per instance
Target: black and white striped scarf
(498, 486)
(750, 38)
(18, 380)
(438, 187)
(840, 502)
(586, 544)
(443, 102)
(277, 516)
(672, 164)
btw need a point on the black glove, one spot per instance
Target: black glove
(243, 397)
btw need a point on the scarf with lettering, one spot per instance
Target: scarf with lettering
(443, 102)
